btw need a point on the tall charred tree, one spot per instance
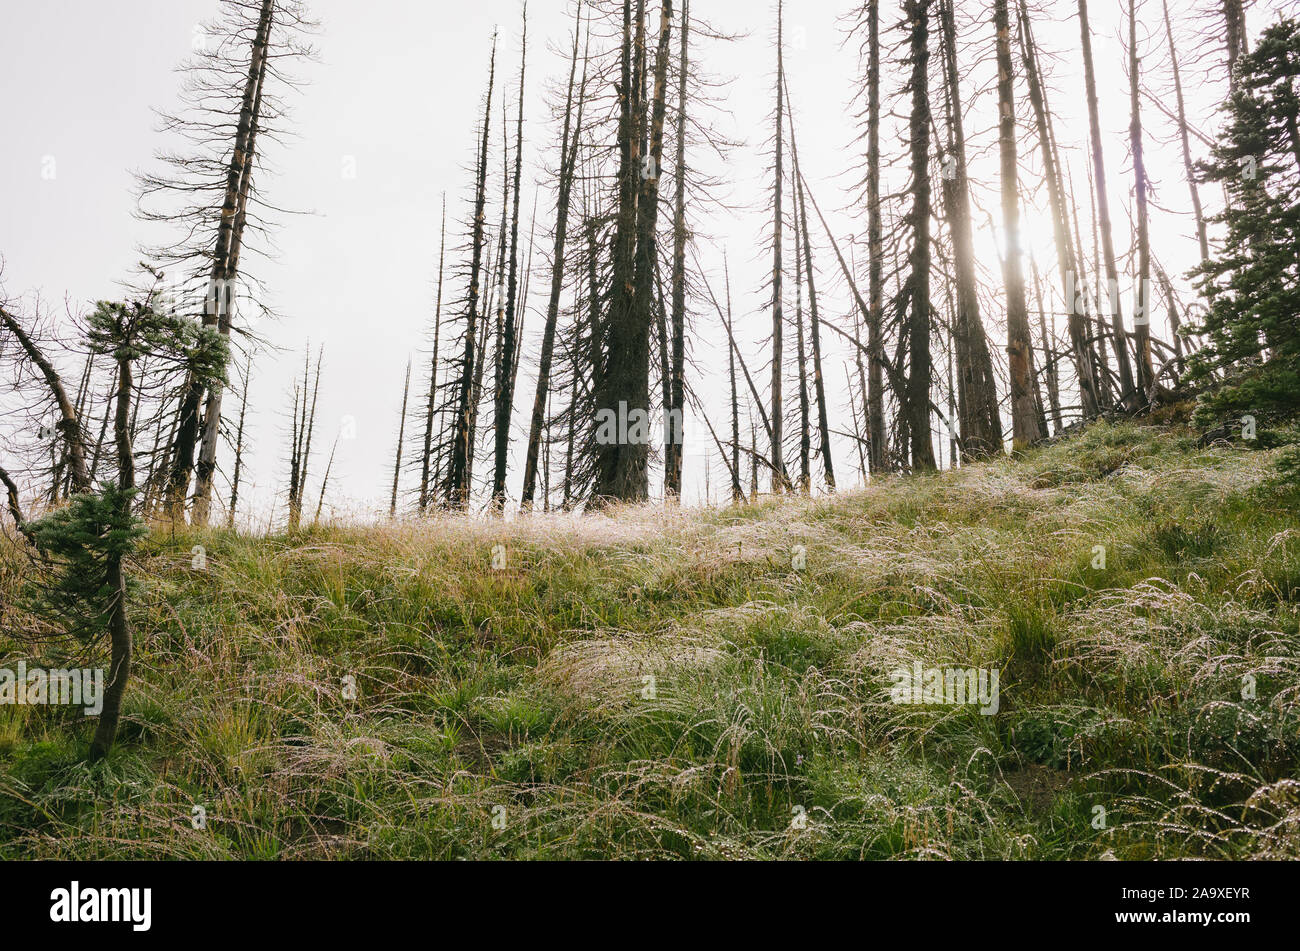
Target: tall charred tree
(780, 480)
(819, 383)
(569, 139)
(1128, 392)
(401, 440)
(459, 469)
(916, 293)
(69, 424)
(1184, 139)
(509, 342)
(1071, 280)
(427, 475)
(979, 422)
(209, 197)
(1142, 299)
(675, 412)
(1026, 428)
(623, 370)
(878, 457)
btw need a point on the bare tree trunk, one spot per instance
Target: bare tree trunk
(1142, 306)
(980, 423)
(731, 337)
(858, 438)
(1026, 429)
(875, 396)
(119, 624)
(505, 390)
(310, 427)
(673, 453)
(239, 447)
(917, 403)
(1234, 18)
(1071, 284)
(665, 378)
(1202, 235)
(458, 478)
(1128, 393)
(401, 438)
(954, 446)
(623, 379)
(819, 384)
(805, 427)
(1106, 379)
(568, 164)
(1049, 356)
(69, 425)
(329, 466)
(476, 403)
(737, 491)
(426, 461)
(779, 480)
(225, 270)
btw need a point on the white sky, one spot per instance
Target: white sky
(398, 88)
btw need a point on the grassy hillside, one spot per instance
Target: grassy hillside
(510, 713)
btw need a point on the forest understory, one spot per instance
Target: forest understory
(654, 682)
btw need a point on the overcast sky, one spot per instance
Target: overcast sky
(396, 91)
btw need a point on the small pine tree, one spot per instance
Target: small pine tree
(85, 546)
(1252, 287)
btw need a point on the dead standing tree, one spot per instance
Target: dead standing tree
(1128, 392)
(915, 295)
(569, 139)
(819, 382)
(508, 345)
(977, 397)
(207, 194)
(1027, 428)
(622, 357)
(873, 389)
(1142, 302)
(457, 487)
(1085, 360)
(780, 481)
(427, 475)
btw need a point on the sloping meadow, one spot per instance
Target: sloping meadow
(649, 683)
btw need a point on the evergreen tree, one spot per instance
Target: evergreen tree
(85, 589)
(1252, 287)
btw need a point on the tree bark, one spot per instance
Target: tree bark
(220, 301)
(568, 163)
(69, 424)
(1202, 235)
(426, 461)
(1071, 283)
(673, 449)
(979, 420)
(505, 391)
(401, 438)
(917, 403)
(1026, 429)
(779, 479)
(1128, 395)
(458, 477)
(878, 458)
(819, 383)
(1142, 306)
(623, 384)
(119, 624)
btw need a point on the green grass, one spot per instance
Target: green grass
(654, 684)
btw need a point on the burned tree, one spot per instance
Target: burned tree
(1026, 427)
(207, 194)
